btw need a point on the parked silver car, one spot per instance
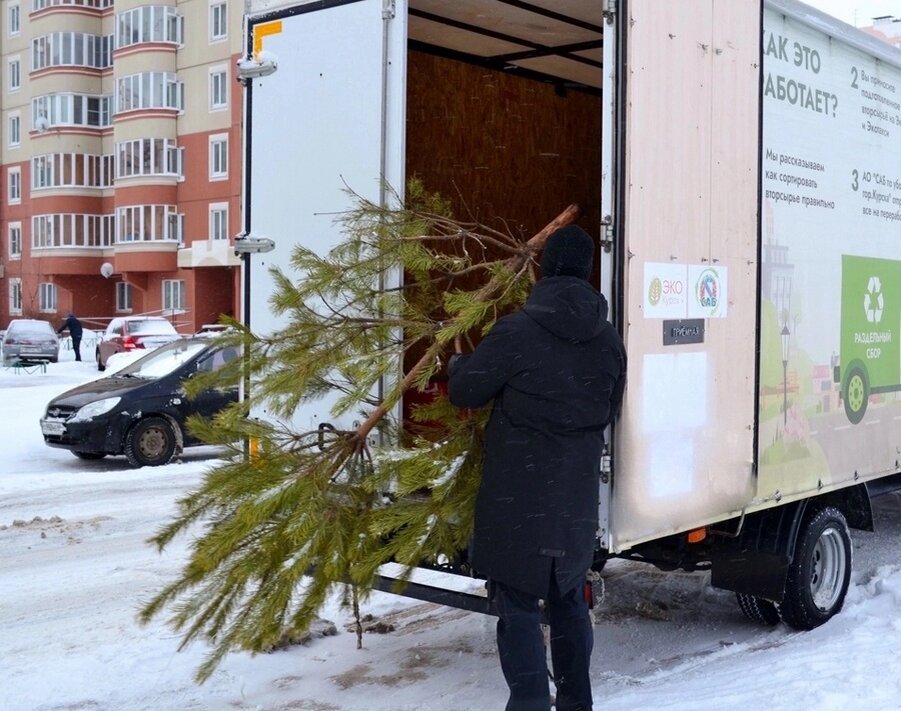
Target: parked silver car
(30, 340)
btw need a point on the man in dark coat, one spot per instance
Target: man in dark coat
(555, 372)
(73, 325)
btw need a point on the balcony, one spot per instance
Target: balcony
(208, 253)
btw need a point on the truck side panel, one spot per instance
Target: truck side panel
(685, 443)
(830, 368)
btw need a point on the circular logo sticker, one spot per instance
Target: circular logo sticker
(655, 291)
(707, 290)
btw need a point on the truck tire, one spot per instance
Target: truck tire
(150, 443)
(820, 571)
(759, 610)
(856, 394)
(100, 365)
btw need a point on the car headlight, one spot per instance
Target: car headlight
(94, 409)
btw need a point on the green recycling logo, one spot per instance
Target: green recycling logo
(873, 301)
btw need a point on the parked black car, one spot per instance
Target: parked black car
(140, 411)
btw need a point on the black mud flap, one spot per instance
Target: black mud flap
(756, 562)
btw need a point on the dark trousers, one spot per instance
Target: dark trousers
(520, 646)
(76, 346)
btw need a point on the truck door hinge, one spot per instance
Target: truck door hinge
(389, 9)
(610, 11)
(607, 234)
(606, 468)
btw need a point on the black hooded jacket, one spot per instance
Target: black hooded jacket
(556, 373)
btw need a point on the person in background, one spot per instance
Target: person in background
(73, 325)
(555, 372)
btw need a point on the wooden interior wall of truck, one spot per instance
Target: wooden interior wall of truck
(506, 149)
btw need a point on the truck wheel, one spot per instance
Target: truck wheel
(150, 443)
(857, 392)
(759, 610)
(820, 570)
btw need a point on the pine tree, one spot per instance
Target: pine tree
(287, 519)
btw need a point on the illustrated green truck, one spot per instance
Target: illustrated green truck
(870, 360)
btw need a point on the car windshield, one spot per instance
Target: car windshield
(150, 326)
(163, 361)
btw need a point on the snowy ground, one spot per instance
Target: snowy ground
(74, 568)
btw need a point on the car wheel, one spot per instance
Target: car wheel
(100, 365)
(89, 455)
(820, 570)
(150, 443)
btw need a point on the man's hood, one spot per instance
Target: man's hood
(569, 307)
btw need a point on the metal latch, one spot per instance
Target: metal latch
(389, 9)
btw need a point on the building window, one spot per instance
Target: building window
(47, 294)
(173, 296)
(219, 156)
(15, 240)
(149, 156)
(71, 230)
(14, 177)
(70, 110)
(94, 4)
(71, 49)
(219, 220)
(47, 297)
(71, 170)
(123, 296)
(149, 23)
(149, 223)
(14, 20)
(14, 130)
(218, 21)
(149, 90)
(14, 74)
(15, 297)
(218, 88)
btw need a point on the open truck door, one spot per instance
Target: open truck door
(324, 114)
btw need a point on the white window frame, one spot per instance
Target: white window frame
(218, 88)
(14, 129)
(14, 240)
(218, 21)
(14, 19)
(48, 298)
(15, 296)
(174, 296)
(149, 23)
(218, 221)
(124, 297)
(219, 156)
(14, 185)
(14, 73)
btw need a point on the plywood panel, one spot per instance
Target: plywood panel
(504, 148)
(684, 452)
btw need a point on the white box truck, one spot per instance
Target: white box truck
(738, 161)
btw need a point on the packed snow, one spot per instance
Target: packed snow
(75, 568)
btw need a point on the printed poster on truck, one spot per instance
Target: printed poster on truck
(830, 356)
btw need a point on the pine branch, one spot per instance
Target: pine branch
(314, 510)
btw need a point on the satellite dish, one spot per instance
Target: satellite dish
(42, 124)
(106, 270)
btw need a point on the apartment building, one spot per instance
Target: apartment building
(887, 28)
(120, 157)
